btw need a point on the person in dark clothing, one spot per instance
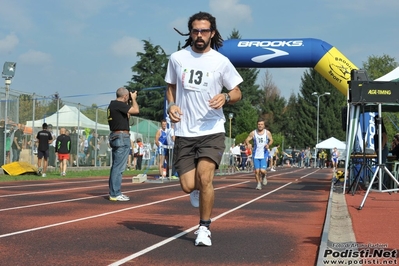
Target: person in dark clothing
(51, 155)
(92, 147)
(73, 156)
(62, 149)
(395, 147)
(17, 143)
(119, 111)
(244, 156)
(44, 138)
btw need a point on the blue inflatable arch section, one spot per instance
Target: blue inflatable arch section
(291, 53)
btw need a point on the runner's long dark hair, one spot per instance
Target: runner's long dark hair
(216, 41)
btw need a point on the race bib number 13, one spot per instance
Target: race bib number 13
(196, 79)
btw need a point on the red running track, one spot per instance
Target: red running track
(376, 224)
(71, 222)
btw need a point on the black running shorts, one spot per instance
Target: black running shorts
(188, 150)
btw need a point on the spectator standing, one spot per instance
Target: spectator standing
(103, 150)
(131, 158)
(62, 149)
(171, 145)
(300, 158)
(322, 158)
(244, 156)
(74, 147)
(135, 153)
(231, 155)
(119, 111)
(140, 153)
(51, 156)
(9, 136)
(17, 143)
(44, 139)
(307, 157)
(237, 156)
(311, 163)
(162, 142)
(249, 156)
(274, 153)
(81, 141)
(92, 147)
(271, 157)
(294, 157)
(286, 158)
(85, 146)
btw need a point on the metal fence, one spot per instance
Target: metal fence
(30, 111)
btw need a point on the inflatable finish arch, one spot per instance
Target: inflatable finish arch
(284, 53)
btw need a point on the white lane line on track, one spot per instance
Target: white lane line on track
(90, 197)
(170, 239)
(56, 190)
(84, 198)
(55, 183)
(105, 214)
(49, 191)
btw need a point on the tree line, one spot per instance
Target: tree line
(292, 121)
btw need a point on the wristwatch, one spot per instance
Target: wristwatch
(227, 97)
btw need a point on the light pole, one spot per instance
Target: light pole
(8, 73)
(317, 127)
(231, 115)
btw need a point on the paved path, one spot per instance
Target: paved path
(360, 236)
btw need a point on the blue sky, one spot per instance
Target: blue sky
(87, 47)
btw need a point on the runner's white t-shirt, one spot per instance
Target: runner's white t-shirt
(198, 78)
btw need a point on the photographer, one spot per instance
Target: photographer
(119, 112)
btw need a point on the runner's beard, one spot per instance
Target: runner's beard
(201, 45)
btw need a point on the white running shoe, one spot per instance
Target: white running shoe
(264, 181)
(259, 186)
(203, 237)
(273, 170)
(194, 198)
(44, 175)
(121, 197)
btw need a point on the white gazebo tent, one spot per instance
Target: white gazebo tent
(331, 143)
(68, 116)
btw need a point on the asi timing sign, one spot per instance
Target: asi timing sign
(374, 92)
